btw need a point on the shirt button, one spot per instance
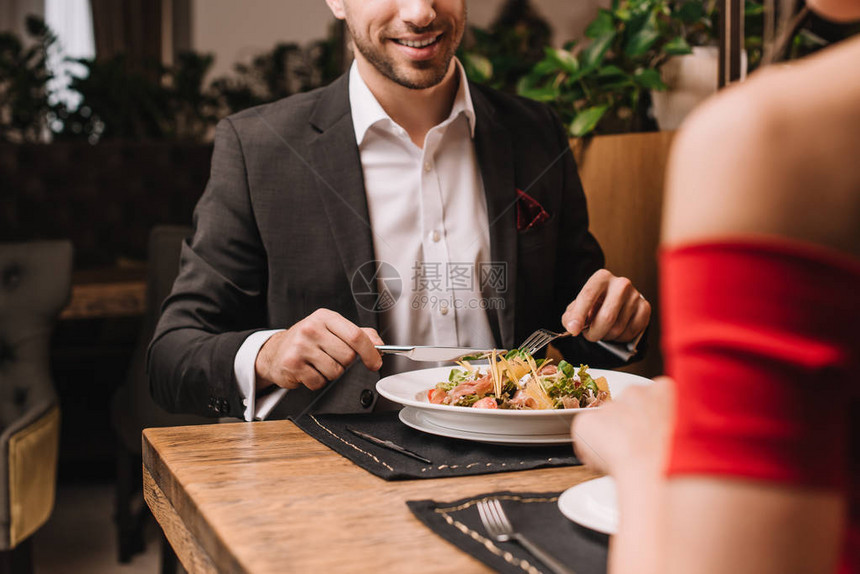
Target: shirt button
(436, 236)
(444, 310)
(428, 166)
(366, 398)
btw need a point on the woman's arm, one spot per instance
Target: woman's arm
(769, 157)
(716, 525)
(700, 524)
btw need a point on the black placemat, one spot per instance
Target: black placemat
(450, 457)
(535, 515)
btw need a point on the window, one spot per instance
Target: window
(72, 22)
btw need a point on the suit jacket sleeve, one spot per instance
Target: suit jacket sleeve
(218, 298)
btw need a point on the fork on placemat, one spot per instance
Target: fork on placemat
(543, 337)
(500, 529)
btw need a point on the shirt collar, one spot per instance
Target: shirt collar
(367, 112)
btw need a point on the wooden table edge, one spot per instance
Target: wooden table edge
(193, 556)
(103, 300)
(194, 541)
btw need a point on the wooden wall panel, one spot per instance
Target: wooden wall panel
(623, 179)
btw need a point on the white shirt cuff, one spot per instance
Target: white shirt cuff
(246, 376)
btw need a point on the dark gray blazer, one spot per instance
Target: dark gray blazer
(283, 226)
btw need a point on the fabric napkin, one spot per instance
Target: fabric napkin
(450, 457)
(535, 515)
(530, 213)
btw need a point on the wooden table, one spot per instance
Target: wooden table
(265, 497)
(109, 292)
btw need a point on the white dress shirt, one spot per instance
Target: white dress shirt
(428, 214)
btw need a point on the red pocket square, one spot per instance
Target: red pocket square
(530, 213)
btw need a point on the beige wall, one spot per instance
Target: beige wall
(567, 18)
(235, 31)
(13, 13)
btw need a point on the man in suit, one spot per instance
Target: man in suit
(398, 203)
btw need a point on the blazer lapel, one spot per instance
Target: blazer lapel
(495, 156)
(334, 157)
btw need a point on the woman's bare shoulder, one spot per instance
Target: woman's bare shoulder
(775, 154)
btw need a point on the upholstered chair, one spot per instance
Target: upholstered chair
(35, 280)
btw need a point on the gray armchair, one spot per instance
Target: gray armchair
(35, 282)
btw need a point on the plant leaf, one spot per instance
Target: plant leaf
(586, 120)
(753, 8)
(545, 94)
(610, 70)
(478, 68)
(544, 67)
(642, 41)
(623, 14)
(677, 47)
(563, 59)
(617, 86)
(638, 21)
(593, 54)
(690, 12)
(601, 25)
(650, 79)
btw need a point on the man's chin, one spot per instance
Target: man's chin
(420, 75)
(422, 82)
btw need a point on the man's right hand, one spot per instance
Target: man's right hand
(314, 351)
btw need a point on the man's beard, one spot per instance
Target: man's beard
(388, 68)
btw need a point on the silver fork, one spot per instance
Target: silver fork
(540, 339)
(500, 529)
(543, 337)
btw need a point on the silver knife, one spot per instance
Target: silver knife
(388, 444)
(430, 353)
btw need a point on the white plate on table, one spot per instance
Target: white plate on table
(410, 390)
(418, 419)
(592, 504)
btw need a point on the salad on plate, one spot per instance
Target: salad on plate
(515, 380)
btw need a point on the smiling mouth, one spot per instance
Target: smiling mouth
(417, 43)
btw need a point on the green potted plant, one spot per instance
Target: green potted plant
(691, 78)
(604, 86)
(508, 50)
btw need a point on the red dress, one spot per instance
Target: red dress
(762, 339)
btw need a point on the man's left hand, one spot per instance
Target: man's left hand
(608, 308)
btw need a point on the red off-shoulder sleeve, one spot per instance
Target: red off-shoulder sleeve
(762, 339)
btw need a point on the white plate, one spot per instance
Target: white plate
(592, 504)
(418, 419)
(410, 389)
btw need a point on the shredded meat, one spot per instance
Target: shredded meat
(480, 387)
(599, 399)
(548, 370)
(486, 403)
(522, 401)
(570, 402)
(437, 396)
